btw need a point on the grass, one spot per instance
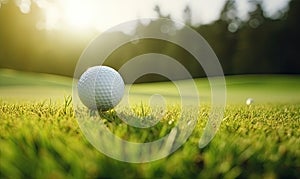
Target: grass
(40, 138)
(18, 86)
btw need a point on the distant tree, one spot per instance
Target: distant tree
(288, 40)
(268, 45)
(249, 56)
(187, 15)
(222, 41)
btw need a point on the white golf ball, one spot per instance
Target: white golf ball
(249, 101)
(100, 87)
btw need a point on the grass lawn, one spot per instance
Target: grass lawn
(40, 136)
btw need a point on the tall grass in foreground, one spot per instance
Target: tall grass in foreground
(43, 140)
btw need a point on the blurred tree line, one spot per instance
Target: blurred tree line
(258, 45)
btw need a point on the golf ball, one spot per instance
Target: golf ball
(100, 87)
(249, 101)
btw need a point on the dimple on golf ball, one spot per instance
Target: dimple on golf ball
(100, 87)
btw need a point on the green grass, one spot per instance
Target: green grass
(24, 86)
(40, 136)
(264, 89)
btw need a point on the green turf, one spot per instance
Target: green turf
(262, 88)
(41, 138)
(19, 86)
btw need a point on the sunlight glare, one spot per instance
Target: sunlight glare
(78, 13)
(52, 18)
(24, 6)
(100, 15)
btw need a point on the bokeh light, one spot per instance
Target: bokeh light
(103, 14)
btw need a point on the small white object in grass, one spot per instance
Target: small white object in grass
(100, 87)
(249, 101)
(171, 121)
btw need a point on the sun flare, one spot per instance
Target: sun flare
(103, 14)
(77, 14)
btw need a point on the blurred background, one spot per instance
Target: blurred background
(248, 36)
